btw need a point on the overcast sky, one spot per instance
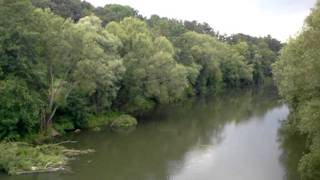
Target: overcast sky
(279, 18)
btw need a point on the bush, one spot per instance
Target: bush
(98, 121)
(124, 122)
(19, 109)
(102, 120)
(309, 165)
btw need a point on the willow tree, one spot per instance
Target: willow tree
(102, 68)
(60, 50)
(152, 75)
(76, 57)
(217, 62)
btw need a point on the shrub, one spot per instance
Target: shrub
(102, 119)
(124, 122)
(19, 109)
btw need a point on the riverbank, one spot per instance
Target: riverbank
(216, 137)
(34, 144)
(36, 155)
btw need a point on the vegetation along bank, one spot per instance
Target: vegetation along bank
(66, 65)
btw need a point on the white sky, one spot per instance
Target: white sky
(279, 18)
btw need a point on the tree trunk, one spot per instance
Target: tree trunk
(46, 120)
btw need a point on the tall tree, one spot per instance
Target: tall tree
(297, 74)
(18, 42)
(217, 61)
(114, 12)
(103, 68)
(74, 9)
(152, 75)
(60, 52)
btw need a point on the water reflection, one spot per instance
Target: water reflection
(293, 146)
(228, 137)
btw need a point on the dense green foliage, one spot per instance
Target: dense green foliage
(297, 74)
(216, 62)
(260, 53)
(114, 12)
(19, 110)
(66, 64)
(152, 75)
(124, 122)
(74, 9)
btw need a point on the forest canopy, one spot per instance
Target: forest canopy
(65, 62)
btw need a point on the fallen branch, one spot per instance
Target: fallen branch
(65, 142)
(47, 170)
(21, 158)
(74, 152)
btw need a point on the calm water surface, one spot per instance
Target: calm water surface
(230, 137)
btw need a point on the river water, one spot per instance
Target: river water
(232, 136)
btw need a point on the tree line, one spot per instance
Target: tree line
(64, 62)
(298, 75)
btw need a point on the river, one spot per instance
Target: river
(232, 136)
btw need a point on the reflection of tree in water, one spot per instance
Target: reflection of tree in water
(293, 148)
(159, 145)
